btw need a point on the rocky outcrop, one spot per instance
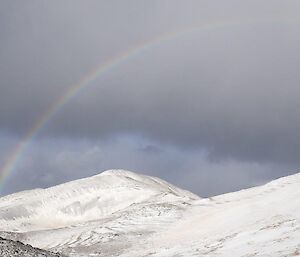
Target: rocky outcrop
(10, 248)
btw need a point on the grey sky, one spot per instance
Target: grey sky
(213, 111)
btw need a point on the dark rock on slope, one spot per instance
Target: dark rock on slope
(10, 248)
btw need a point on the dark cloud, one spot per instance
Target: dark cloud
(231, 92)
(48, 162)
(151, 149)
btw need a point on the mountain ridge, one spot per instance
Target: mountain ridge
(121, 213)
(83, 200)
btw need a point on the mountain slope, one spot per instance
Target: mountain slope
(120, 213)
(262, 221)
(12, 248)
(82, 200)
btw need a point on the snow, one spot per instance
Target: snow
(120, 213)
(80, 201)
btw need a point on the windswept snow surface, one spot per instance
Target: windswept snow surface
(120, 213)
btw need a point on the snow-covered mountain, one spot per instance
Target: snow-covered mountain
(83, 200)
(120, 213)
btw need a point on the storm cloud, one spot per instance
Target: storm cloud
(224, 98)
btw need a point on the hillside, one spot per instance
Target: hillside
(120, 213)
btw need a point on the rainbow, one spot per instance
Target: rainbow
(74, 89)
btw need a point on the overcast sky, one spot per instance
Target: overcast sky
(211, 110)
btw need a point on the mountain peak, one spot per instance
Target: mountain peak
(84, 200)
(118, 172)
(121, 213)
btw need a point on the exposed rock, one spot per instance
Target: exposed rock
(10, 248)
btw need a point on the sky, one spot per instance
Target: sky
(210, 102)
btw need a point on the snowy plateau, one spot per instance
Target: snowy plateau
(121, 213)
